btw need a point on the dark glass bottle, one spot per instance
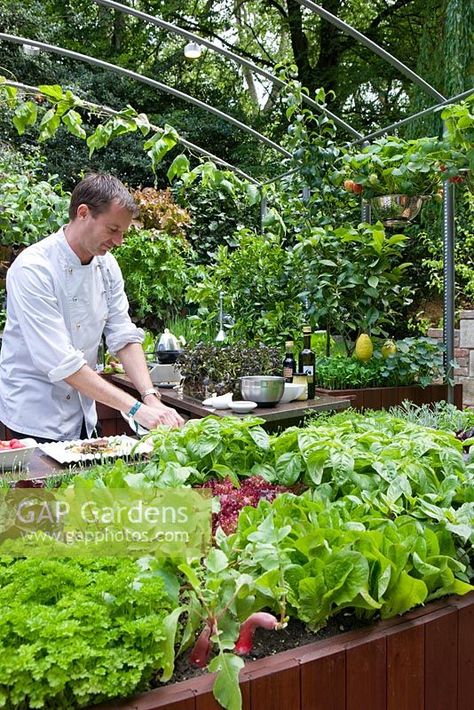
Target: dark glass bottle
(289, 363)
(307, 360)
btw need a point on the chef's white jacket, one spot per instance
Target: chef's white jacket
(57, 310)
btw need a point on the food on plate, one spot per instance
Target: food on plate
(12, 444)
(94, 446)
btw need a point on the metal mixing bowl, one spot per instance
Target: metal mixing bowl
(396, 210)
(265, 390)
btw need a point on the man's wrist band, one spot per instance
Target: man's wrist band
(151, 390)
(134, 409)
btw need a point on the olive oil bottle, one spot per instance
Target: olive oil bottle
(307, 360)
(289, 363)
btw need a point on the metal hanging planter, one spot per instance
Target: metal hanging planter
(397, 210)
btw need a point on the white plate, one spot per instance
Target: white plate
(243, 406)
(17, 458)
(66, 451)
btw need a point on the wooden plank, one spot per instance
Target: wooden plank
(202, 689)
(390, 397)
(441, 661)
(465, 609)
(274, 687)
(405, 668)
(366, 685)
(372, 398)
(323, 682)
(169, 697)
(206, 701)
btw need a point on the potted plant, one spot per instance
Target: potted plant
(396, 176)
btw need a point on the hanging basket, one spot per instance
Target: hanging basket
(396, 210)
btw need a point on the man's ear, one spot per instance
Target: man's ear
(83, 212)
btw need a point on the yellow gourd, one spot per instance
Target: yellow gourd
(363, 347)
(389, 348)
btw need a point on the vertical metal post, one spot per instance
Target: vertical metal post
(263, 209)
(365, 211)
(448, 279)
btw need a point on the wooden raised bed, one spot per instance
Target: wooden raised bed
(385, 397)
(423, 660)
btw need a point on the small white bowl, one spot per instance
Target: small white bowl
(291, 392)
(242, 407)
(223, 401)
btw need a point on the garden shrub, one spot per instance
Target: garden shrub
(260, 290)
(154, 268)
(216, 214)
(30, 207)
(353, 279)
(159, 211)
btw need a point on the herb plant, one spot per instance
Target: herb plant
(217, 368)
(416, 361)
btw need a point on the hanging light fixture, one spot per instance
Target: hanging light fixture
(192, 50)
(30, 50)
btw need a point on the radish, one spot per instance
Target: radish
(247, 629)
(201, 651)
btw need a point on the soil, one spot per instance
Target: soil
(268, 643)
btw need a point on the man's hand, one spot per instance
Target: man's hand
(154, 413)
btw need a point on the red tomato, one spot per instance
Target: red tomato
(15, 444)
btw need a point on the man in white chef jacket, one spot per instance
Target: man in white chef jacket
(63, 293)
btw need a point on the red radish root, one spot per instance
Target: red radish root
(247, 629)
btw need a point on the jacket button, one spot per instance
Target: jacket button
(68, 396)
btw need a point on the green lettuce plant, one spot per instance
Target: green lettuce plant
(74, 633)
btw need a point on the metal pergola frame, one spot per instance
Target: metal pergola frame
(448, 199)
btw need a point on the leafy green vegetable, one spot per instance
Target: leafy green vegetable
(73, 633)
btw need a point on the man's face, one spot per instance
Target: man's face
(101, 233)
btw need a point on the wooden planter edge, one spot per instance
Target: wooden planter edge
(196, 693)
(384, 397)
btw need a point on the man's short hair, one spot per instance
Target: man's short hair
(98, 191)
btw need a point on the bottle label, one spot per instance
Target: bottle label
(309, 371)
(288, 373)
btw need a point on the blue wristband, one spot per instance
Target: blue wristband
(134, 408)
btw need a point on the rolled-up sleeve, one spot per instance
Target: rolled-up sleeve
(34, 304)
(119, 330)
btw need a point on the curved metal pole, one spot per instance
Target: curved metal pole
(226, 53)
(146, 80)
(183, 141)
(348, 29)
(425, 111)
